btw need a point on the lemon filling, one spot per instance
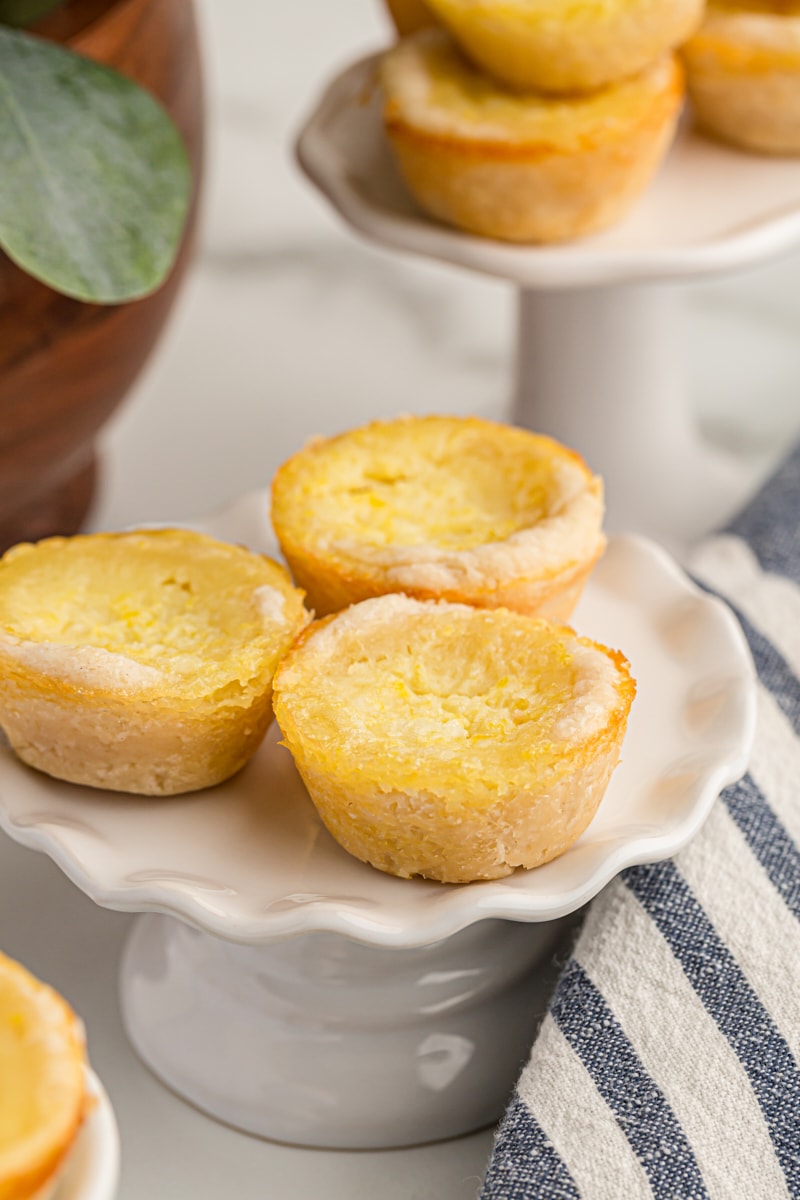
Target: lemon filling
(142, 608)
(437, 90)
(42, 1092)
(378, 503)
(451, 694)
(27, 1071)
(421, 485)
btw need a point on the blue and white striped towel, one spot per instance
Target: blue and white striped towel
(668, 1065)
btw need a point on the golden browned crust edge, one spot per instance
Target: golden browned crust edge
(125, 744)
(743, 92)
(141, 740)
(331, 584)
(536, 192)
(407, 834)
(25, 1183)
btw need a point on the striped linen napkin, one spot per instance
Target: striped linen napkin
(667, 1065)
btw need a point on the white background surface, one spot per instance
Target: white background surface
(288, 327)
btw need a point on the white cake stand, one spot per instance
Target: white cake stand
(597, 362)
(296, 993)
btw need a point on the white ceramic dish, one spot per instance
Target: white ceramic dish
(92, 1170)
(710, 209)
(250, 862)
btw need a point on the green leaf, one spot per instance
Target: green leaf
(25, 12)
(95, 178)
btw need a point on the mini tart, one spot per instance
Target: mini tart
(566, 45)
(410, 15)
(43, 1095)
(447, 508)
(743, 72)
(141, 662)
(451, 742)
(522, 168)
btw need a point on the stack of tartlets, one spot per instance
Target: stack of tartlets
(445, 722)
(442, 726)
(535, 120)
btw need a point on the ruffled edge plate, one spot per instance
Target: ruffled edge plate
(250, 861)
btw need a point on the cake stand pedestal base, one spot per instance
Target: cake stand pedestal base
(321, 1041)
(598, 369)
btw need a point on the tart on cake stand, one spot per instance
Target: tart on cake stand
(597, 363)
(296, 993)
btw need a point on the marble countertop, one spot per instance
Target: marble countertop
(290, 326)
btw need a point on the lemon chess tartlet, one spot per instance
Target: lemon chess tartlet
(522, 168)
(448, 508)
(743, 73)
(410, 15)
(563, 46)
(143, 661)
(451, 742)
(43, 1093)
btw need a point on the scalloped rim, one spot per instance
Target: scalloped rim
(452, 908)
(582, 264)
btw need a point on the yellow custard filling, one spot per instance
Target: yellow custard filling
(432, 482)
(194, 614)
(431, 86)
(42, 1089)
(466, 702)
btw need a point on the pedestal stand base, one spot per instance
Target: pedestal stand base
(598, 368)
(320, 1041)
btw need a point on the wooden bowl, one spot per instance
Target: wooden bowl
(65, 365)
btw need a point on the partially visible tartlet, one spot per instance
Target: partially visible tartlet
(522, 168)
(450, 508)
(43, 1094)
(143, 661)
(743, 74)
(563, 46)
(410, 15)
(452, 742)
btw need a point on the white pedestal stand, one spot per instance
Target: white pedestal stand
(296, 993)
(598, 369)
(320, 1041)
(597, 362)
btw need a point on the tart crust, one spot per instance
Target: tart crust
(522, 168)
(440, 508)
(743, 74)
(450, 742)
(141, 662)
